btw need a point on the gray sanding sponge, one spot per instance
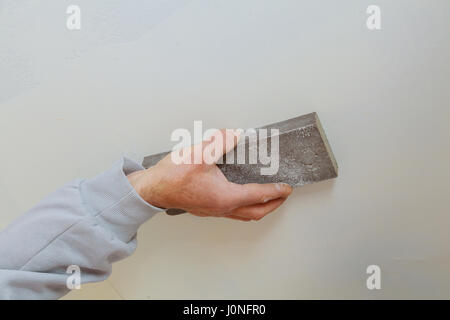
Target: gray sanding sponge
(305, 155)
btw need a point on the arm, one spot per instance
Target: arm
(93, 223)
(88, 223)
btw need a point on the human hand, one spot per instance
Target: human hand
(203, 190)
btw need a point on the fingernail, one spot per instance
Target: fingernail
(280, 185)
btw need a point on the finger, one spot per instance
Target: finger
(223, 141)
(258, 211)
(231, 139)
(212, 148)
(254, 193)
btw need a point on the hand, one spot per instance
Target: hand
(203, 190)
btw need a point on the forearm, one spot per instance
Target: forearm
(88, 223)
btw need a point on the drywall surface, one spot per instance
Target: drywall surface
(72, 102)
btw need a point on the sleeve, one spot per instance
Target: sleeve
(86, 226)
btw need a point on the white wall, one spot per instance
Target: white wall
(72, 102)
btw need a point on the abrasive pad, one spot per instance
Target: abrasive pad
(304, 156)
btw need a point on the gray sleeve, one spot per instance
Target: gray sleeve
(87, 223)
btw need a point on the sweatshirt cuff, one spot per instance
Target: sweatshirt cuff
(112, 198)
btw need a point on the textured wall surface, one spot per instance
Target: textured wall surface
(72, 102)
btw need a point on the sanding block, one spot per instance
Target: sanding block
(305, 156)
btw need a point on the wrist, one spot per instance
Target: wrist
(135, 179)
(143, 181)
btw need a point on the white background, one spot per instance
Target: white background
(73, 102)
